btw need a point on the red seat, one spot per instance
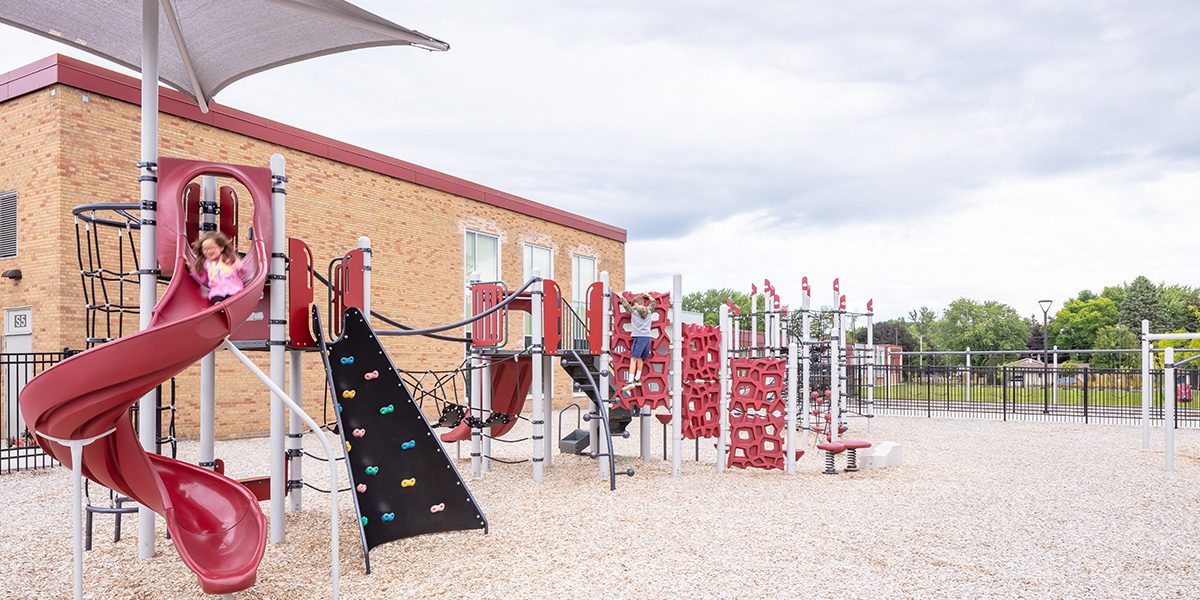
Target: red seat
(663, 418)
(835, 448)
(855, 444)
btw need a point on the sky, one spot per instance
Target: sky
(920, 151)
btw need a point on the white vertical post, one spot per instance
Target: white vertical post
(599, 444)
(806, 366)
(364, 244)
(968, 373)
(646, 433)
(485, 404)
(278, 336)
(295, 445)
(476, 410)
(835, 371)
(548, 403)
(1169, 407)
(726, 326)
(789, 460)
(77, 515)
(871, 368)
(539, 422)
(1146, 383)
(208, 364)
(887, 370)
(753, 325)
(148, 275)
(1054, 381)
(676, 371)
(734, 341)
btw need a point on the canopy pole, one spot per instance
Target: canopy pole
(148, 274)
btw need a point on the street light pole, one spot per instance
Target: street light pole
(1045, 304)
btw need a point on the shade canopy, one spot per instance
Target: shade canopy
(206, 45)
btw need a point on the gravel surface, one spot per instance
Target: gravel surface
(979, 510)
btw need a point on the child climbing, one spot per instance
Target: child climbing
(641, 315)
(216, 266)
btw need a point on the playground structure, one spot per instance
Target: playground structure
(1172, 392)
(748, 397)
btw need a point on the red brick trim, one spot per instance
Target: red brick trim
(88, 77)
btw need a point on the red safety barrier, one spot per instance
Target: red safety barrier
(552, 329)
(300, 294)
(227, 216)
(701, 385)
(595, 316)
(756, 413)
(654, 390)
(490, 330)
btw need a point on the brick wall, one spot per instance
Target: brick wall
(69, 150)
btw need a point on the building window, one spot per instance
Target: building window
(8, 225)
(542, 259)
(481, 256)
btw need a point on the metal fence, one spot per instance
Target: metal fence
(18, 449)
(1083, 395)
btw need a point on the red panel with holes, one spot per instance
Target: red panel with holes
(489, 331)
(654, 390)
(701, 385)
(756, 413)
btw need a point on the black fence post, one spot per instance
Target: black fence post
(928, 392)
(1004, 392)
(1086, 375)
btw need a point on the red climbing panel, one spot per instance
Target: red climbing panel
(490, 330)
(654, 391)
(701, 385)
(756, 413)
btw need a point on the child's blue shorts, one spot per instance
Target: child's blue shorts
(641, 348)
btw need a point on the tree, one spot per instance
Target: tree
(709, 302)
(1076, 323)
(1036, 334)
(1143, 300)
(894, 331)
(1178, 304)
(988, 325)
(1113, 337)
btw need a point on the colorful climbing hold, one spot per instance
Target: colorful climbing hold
(362, 487)
(388, 517)
(349, 394)
(347, 446)
(437, 508)
(348, 360)
(409, 482)
(339, 407)
(409, 445)
(359, 432)
(387, 409)
(364, 521)
(372, 470)
(371, 375)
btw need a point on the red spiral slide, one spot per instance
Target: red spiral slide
(216, 523)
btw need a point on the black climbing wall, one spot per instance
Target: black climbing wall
(398, 469)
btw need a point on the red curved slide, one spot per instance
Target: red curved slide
(510, 384)
(216, 523)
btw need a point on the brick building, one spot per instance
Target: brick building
(70, 133)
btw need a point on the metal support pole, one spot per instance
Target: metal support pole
(871, 370)
(295, 445)
(208, 364)
(76, 447)
(1169, 407)
(278, 320)
(539, 420)
(485, 412)
(599, 444)
(806, 366)
(835, 392)
(1146, 383)
(548, 406)
(148, 274)
(790, 457)
(968, 374)
(676, 371)
(726, 326)
(476, 411)
(753, 314)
